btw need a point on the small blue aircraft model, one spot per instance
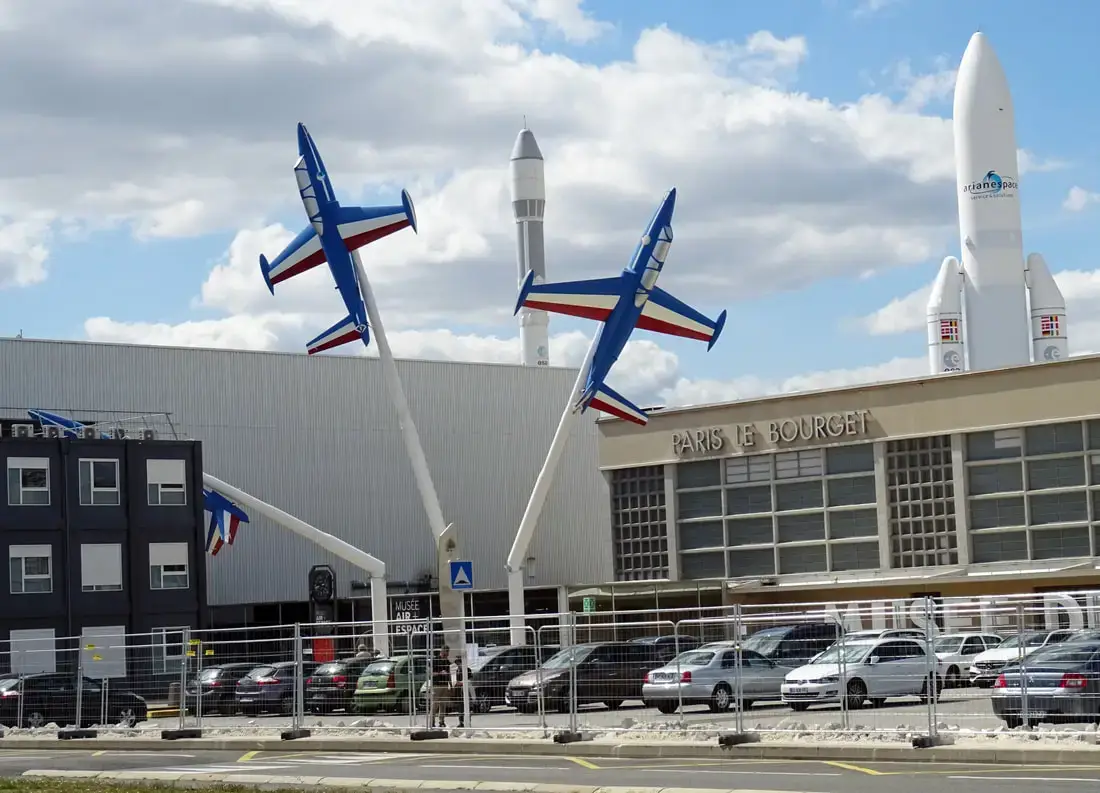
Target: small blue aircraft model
(630, 300)
(69, 428)
(334, 231)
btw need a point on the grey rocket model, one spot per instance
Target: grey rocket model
(528, 206)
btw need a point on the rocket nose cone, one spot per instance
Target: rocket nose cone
(526, 147)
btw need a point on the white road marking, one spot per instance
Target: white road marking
(1025, 778)
(105, 753)
(215, 769)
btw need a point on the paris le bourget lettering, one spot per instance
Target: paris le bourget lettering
(782, 432)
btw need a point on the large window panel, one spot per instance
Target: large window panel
(748, 500)
(754, 468)
(801, 528)
(749, 531)
(992, 513)
(798, 495)
(1094, 434)
(848, 523)
(851, 490)
(985, 479)
(707, 534)
(1062, 543)
(702, 473)
(694, 566)
(1003, 546)
(1058, 507)
(1054, 438)
(995, 445)
(699, 504)
(850, 459)
(802, 559)
(1055, 472)
(855, 556)
(807, 462)
(756, 561)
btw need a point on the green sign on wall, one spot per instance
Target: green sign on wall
(589, 605)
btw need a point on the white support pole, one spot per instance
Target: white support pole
(404, 416)
(517, 556)
(379, 616)
(334, 545)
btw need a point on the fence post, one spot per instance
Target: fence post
(199, 650)
(572, 677)
(932, 673)
(299, 679)
(1021, 655)
(842, 678)
(186, 639)
(79, 685)
(19, 706)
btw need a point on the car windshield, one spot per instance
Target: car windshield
(261, 671)
(380, 668)
(9, 683)
(481, 660)
(949, 644)
(209, 674)
(766, 641)
(568, 657)
(693, 658)
(849, 654)
(329, 669)
(1025, 640)
(1069, 654)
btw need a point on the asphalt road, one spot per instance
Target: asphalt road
(964, 708)
(757, 775)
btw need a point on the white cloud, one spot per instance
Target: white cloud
(23, 250)
(1079, 198)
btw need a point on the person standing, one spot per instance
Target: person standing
(441, 687)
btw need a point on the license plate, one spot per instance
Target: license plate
(798, 691)
(246, 700)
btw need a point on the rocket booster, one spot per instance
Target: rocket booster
(528, 206)
(994, 280)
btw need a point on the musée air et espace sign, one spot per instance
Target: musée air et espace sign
(779, 433)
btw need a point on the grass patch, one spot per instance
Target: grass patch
(49, 785)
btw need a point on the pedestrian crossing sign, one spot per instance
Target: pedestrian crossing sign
(462, 575)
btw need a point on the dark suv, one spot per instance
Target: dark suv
(793, 645)
(607, 672)
(269, 688)
(217, 686)
(492, 672)
(51, 699)
(331, 687)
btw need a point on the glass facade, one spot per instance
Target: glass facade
(921, 496)
(638, 523)
(804, 511)
(1034, 493)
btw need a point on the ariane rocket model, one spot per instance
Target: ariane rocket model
(993, 281)
(528, 206)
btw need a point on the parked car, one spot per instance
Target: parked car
(710, 677)
(270, 688)
(1061, 683)
(331, 687)
(390, 684)
(876, 633)
(51, 699)
(217, 687)
(988, 665)
(666, 648)
(607, 672)
(492, 671)
(793, 645)
(956, 653)
(871, 669)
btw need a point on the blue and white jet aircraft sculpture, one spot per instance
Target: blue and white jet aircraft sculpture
(630, 300)
(334, 231)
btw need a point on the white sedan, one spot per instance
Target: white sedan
(956, 652)
(874, 669)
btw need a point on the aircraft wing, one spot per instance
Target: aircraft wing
(345, 331)
(607, 400)
(592, 299)
(663, 313)
(303, 253)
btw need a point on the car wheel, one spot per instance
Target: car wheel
(483, 703)
(799, 707)
(667, 708)
(127, 717)
(720, 698)
(878, 702)
(931, 688)
(1012, 722)
(953, 678)
(613, 704)
(35, 719)
(856, 695)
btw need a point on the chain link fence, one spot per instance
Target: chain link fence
(929, 667)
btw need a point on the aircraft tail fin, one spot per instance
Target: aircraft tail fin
(607, 400)
(345, 331)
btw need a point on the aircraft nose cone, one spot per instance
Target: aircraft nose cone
(303, 138)
(670, 199)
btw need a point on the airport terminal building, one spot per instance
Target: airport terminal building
(977, 483)
(318, 437)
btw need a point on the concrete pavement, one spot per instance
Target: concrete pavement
(542, 774)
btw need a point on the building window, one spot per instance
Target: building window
(638, 527)
(101, 567)
(28, 481)
(168, 565)
(167, 482)
(99, 483)
(808, 462)
(920, 479)
(168, 649)
(31, 569)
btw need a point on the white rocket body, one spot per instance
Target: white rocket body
(946, 350)
(994, 279)
(528, 207)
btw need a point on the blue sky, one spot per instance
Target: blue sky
(1052, 65)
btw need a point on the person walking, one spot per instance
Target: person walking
(441, 687)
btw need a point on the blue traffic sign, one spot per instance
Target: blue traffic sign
(462, 575)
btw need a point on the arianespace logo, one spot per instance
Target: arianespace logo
(992, 185)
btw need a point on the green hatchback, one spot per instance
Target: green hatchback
(390, 684)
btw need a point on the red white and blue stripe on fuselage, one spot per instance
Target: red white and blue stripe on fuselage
(225, 518)
(630, 300)
(334, 232)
